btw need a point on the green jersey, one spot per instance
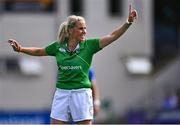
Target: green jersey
(73, 67)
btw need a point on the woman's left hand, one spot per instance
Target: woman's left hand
(132, 14)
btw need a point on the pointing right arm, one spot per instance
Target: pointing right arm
(33, 51)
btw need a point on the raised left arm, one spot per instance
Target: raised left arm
(118, 32)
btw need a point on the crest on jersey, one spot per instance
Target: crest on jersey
(62, 50)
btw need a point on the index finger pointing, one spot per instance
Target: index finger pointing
(130, 9)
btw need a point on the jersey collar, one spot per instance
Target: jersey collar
(79, 46)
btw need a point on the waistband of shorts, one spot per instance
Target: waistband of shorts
(73, 90)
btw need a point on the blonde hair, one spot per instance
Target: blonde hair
(66, 25)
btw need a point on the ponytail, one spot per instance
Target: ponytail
(63, 33)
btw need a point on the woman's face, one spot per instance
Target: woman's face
(79, 31)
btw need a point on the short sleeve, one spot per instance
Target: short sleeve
(93, 45)
(52, 48)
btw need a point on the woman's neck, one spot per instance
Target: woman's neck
(72, 45)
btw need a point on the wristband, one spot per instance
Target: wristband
(127, 21)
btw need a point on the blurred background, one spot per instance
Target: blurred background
(138, 75)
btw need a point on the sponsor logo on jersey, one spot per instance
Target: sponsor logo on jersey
(70, 67)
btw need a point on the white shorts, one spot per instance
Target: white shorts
(76, 105)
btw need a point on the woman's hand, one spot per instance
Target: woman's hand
(97, 106)
(132, 14)
(15, 45)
